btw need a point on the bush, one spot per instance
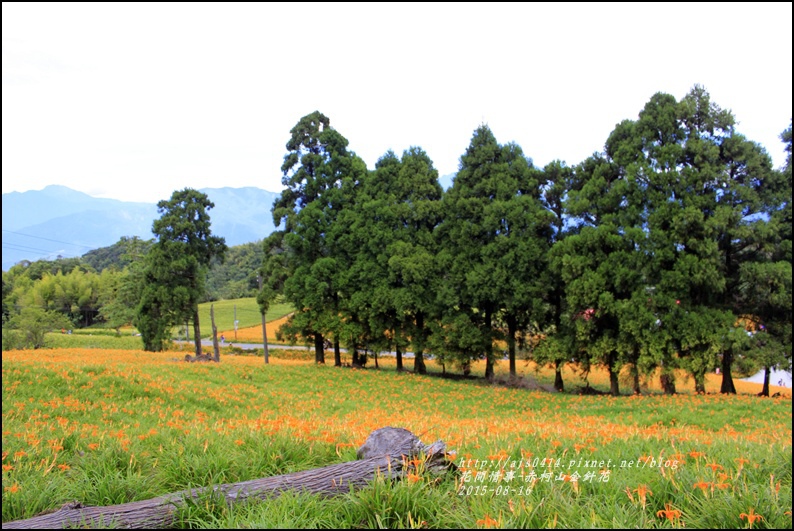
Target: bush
(12, 339)
(31, 325)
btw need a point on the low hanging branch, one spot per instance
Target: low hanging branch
(386, 453)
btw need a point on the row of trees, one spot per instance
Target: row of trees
(645, 255)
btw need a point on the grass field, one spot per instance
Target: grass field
(109, 426)
(247, 312)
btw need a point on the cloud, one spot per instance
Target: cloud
(142, 99)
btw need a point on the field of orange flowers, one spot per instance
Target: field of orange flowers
(111, 426)
(253, 334)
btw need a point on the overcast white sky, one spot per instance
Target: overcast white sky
(134, 101)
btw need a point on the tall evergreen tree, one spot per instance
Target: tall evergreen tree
(176, 267)
(493, 242)
(558, 181)
(765, 284)
(710, 204)
(687, 202)
(601, 266)
(320, 177)
(393, 271)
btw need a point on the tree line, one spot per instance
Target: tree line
(658, 253)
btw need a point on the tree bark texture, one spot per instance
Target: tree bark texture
(196, 331)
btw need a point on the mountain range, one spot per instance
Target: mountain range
(58, 221)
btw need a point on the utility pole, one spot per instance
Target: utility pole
(264, 327)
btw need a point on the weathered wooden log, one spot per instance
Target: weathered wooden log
(385, 453)
(201, 357)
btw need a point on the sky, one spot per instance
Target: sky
(133, 101)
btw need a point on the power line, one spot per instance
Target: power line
(25, 249)
(49, 239)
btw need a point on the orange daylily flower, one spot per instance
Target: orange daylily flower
(702, 485)
(751, 517)
(713, 466)
(629, 494)
(416, 462)
(774, 487)
(643, 491)
(669, 513)
(12, 489)
(488, 522)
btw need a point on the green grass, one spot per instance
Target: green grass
(246, 310)
(110, 426)
(92, 338)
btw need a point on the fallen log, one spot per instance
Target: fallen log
(386, 453)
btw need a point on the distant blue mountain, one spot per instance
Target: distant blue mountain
(241, 215)
(25, 209)
(59, 221)
(446, 181)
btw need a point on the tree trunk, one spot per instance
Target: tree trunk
(264, 339)
(635, 378)
(667, 381)
(385, 453)
(558, 384)
(727, 386)
(337, 354)
(767, 376)
(419, 360)
(419, 363)
(614, 385)
(489, 361)
(399, 357)
(700, 381)
(511, 343)
(215, 348)
(319, 348)
(196, 331)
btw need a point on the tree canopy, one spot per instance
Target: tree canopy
(176, 267)
(668, 249)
